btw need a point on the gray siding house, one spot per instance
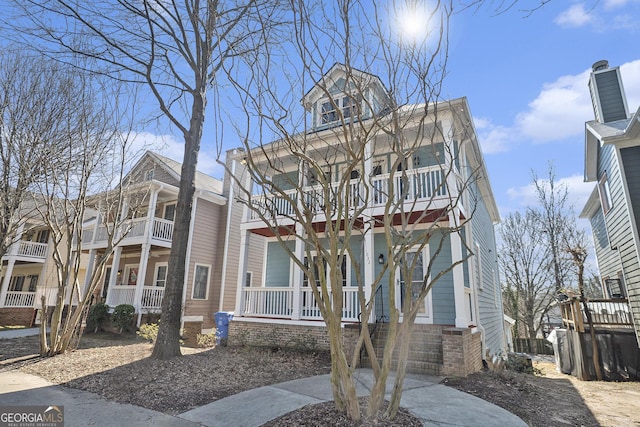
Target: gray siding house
(465, 302)
(612, 161)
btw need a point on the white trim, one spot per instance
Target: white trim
(192, 318)
(427, 316)
(187, 259)
(164, 210)
(317, 323)
(155, 273)
(126, 272)
(245, 278)
(225, 249)
(208, 282)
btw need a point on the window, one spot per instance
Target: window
(43, 236)
(348, 105)
(415, 283)
(615, 287)
(248, 278)
(33, 282)
(169, 212)
(200, 281)
(469, 306)
(16, 283)
(605, 194)
(161, 274)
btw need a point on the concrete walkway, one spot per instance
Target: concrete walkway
(434, 404)
(423, 396)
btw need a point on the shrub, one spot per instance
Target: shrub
(206, 340)
(149, 331)
(122, 317)
(98, 315)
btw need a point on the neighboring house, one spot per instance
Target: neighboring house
(136, 273)
(277, 304)
(612, 161)
(28, 273)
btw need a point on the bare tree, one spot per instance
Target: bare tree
(175, 49)
(322, 220)
(525, 262)
(31, 105)
(93, 148)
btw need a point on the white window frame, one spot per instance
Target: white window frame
(164, 211)
(605, 193)
(470, 307)
(427, 316)
(127, 272)
(248, 275)
(346, 279)
(155, 274)
(341, 102)
(195, 275)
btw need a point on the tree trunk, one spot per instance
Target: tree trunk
(167, 344)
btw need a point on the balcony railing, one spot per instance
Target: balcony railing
(19, 299)
(121, 295)
(277, 302)
(417, 185)
(161, 229)
(33, 249)
(152, 298)
(604, 312)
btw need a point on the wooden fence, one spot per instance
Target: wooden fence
(537, 346)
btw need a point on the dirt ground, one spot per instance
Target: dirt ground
(118, 368)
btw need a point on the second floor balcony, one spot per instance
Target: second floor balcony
(131, 232)
(24, 250)
(416, 190)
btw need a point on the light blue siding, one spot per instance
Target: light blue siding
(611, 99)
(278, 264)
(444, 308)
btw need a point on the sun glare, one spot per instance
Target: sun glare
(412, 20)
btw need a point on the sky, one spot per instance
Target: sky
(525, 76)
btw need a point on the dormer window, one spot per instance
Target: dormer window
(348, 105)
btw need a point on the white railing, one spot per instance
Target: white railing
(33, 249)
(277, 302)
(50, 296)
(152, 297)
(162, 229)
(416, 185)
(121, 295)
(268, 302)
(19, 299)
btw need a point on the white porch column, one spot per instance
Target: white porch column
(7, 279)
(153, 200)
(458, 276)
(142, 272)
(115, 266)
(242, 271)
(296, 278)
(368, 255)
(89, 271)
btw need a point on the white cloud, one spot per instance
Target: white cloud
(578, 192)
(557, 113)
(575, 16)
(614, 4)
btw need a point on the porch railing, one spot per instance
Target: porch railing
(161, 229)
(417, 185)
(604, 312)
(19, 299)
(277, 302)
(152, 297)
(121, 295)
(33, 249)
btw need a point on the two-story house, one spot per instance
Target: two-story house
(28, 272)
(612, 162)
(440, 182)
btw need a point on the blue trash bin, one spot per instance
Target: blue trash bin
(222, 319)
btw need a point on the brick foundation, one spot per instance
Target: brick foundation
(434, 349)
(462, 352)
(299, 337)
(13, 316)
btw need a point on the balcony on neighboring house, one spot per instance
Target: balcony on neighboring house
(27, 251)
(135, 232)
(605, 313)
